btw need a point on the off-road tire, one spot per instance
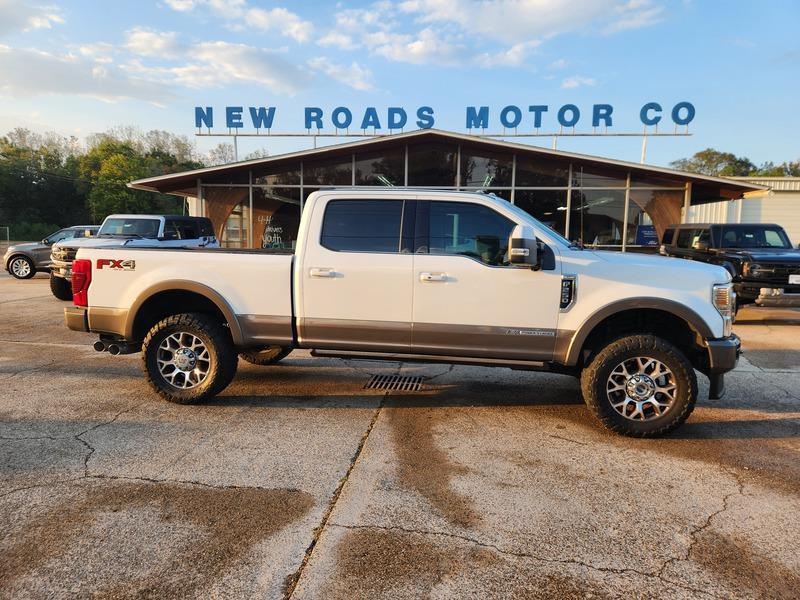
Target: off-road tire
(216, 338)
(61, 288)
(264, 357)
(595, 376)
(31, 266)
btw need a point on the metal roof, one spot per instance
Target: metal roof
(151, 183)
(776, 184)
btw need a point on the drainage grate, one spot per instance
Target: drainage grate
(394, 382)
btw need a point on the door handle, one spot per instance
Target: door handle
(322, 272)
(425, 277)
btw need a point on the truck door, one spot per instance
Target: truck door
(355, 278)
(468, 301)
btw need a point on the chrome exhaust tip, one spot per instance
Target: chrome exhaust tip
(99, 346)
(113, 349)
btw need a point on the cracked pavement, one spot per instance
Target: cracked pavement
(296, 482)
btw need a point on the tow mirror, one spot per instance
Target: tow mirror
(523, 248)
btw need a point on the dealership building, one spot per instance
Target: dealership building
(602, 202)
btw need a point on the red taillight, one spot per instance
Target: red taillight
(81, 278)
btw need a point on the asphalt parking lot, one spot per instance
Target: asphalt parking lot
(299, 482)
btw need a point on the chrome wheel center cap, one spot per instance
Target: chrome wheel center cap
(640, 387)
(185, 359)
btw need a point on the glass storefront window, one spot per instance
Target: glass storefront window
(650, 212)
(335, 171)
(226, 177)
(504, 194)
(657, 182)
(237, 226)
(385, 168)
(287, 174)
(483, 169)
(220, 203)
(597, 217)
(533, 171)
(592, 176)
(549, 206)
(276, 217)
(432, 164)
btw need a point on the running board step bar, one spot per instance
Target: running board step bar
(523, 365)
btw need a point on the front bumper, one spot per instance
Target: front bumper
(61, 268)
(777, 297)
(723, 356)
(76, 318)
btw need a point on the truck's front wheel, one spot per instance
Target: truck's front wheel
(188, 357)
(640, 386)
(61, 288)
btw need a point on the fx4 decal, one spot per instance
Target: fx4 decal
(120, 265)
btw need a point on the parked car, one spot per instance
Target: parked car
(441, 277)
(760, 258)
(23, 261)
(134, 231)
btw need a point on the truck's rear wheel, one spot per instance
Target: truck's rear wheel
(61, 288)
(640, 386)
(266, 356)
(188, 357)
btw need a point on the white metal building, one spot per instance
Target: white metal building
(780, 204)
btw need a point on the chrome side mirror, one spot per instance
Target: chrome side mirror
(523, 248)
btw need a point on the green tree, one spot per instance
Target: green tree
(110, 192)
(716, 163)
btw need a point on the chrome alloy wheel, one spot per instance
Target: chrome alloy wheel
(20, 267)
(641, 388)
(183, 360)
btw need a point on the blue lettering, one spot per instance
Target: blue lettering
(338, 121)
(313, 115)
(397, 118)
(233, 116)
(370, 118)
(262, 117)
(644, 114)
(562, 115)
(676, 113)
(425, 117)
(477, 118)
(517, 116)
(602, 112)
(537, 110)
(203, 117)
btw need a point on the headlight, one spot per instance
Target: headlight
(724, 300)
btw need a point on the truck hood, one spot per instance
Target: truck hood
(783, 255)
(661, 269)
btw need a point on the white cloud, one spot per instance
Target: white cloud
(281, 20)
(558, 64)
(148, 42)
(427, 47)
(16, 16)
(240, 15)
(355, 76)
(214, 64)
(100, 52)
(577, 81)
(33, 73)
(514, 56)
(338, 40)
(526, 20)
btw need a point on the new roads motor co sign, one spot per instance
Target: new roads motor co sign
(529, 118)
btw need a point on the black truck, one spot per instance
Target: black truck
(759, 256)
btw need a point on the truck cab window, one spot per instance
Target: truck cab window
(362, 225)
(471, 230)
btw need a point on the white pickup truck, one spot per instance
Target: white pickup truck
(432, 276)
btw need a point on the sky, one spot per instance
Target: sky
(82, 67)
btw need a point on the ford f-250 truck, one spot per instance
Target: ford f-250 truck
(432, 276)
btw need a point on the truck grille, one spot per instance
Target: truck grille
(65, 254)
(779, 274)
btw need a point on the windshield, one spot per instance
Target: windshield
(58, 236)
(754, 236)
(527, 217)
(145, 228)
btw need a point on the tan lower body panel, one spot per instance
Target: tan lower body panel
(265, 330)
(107, 320)
(478, 341)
